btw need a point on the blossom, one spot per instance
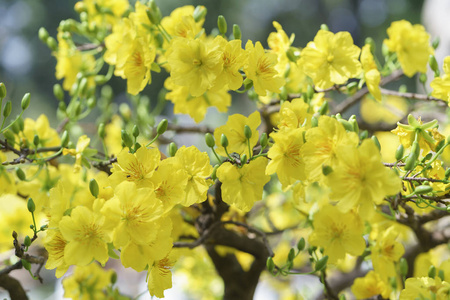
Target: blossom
(48, 137)
(441, 85)
(87, 236)
(331, 59)
(371, 74)
(369, 286)
(412, 45)
(425, 288)
(234, 58)
(55, 244)
(338, 233)
(261, 69)
(294, 114)
(160, 275)
(242, 187)
(279, 43)
(78, 152)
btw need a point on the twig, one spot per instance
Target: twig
(190, 129)
(413, 96)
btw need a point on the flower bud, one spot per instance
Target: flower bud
(352, 87)
(371, 42)
(355, 125)
(376, 142)
(247, 132)
(173, 149)
(270, 265)
(399, 152)
(321, 264)
(31, 206)
(291, 254)
(213, 174)
(222, 24)
(403, 266)
(244, 159)
(25, 101)
(7, 109)
(237, 32)
(447, 173)
(292, 54)
(36, 140)
(199, 13)
(384, 50)
(27, 241)
(314, 122)
(10, 138)
(393, 283)
(423, 189)
(2, 90)
(26, 264)
(263, 140)
(346, 124)
(62, 106)
(323, 108)
(223, 140)
(435, 43)
(209, 139)
(433, 63)
(126, 139)
(93, 187)
(283, 93)
(101, 131)
(415, 149)
(52, 44)
(135, 131)
(326, 170)
(410, 162)
(309, 92)
(301, 244)
(162, 126)
(248, 83)
(20, 174)
(43, 34)
(324, 27)
(64, 139)
(441, 275)
(91, 102)
(432, 271)
(113, 278)
(423, 78)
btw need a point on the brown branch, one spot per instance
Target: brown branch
(190, 129)
(414, 96)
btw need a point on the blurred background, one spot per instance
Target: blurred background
(27, 65)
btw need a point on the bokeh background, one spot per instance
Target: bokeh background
(27, 65)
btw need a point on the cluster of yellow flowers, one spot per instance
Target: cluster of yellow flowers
(347, 200)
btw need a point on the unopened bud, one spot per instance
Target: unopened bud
(376, 142)
(223, 140)
(433, 63)
(52, 44)
(173, 149)
(237, 32)
(263, 140)
(423, 78)
(291, 254)
(7, 109)
(270, 265)
(43, 34)
(31, 206)
(301, 244)
(247, 132)
(2, 90)
(423, 189)
(93, 187)
(321, 264)
(324, 27)
(64, 139)
(209, 139)
(248, 83)
(432, 271)
(399, 152)
(126, 139)
(27, 241)
(326, 170)
(101, 131)
(26, 264)
(435, 43)
(25, 101)
(314, 122)
(403, 266)
(199, 13)
(222, 24)
(36, 140)
(213, 174)
(323, 108)
(162, 126)
(91, 102)
(371, 42)
(244, 159)
(20, 174)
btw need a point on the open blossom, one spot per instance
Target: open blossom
(412, 45)
(441, 85)
(331, 59)
(371, 74)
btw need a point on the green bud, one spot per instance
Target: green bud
(346, 124)
(36, 140)
(100, 79)
(371, 42)
(291, 54)
(15, 127)
(403, 88)
(423, 189)
(324, 27)
(31, 206)
(247, 132)
(199, 13)
(309, 92)
(209, 139)
(106, 92)
(52, 44)
(43, 34)
(433, 63)
(270, 265)
(403, 266)
(26, 264)
(223, 140)
(323, 108)
(27, 241)
(355, 125)
(213, 174)
(248, 83)
(410, 162)
(447, 173)
(113, 278)
(222, 24)
(126, 139)
(76, 109)
(432, 271)
(20, 123)
(64, 139)
(342, 297)
(93, 187)
(62, 106)
(263, 140)
(321, 264)
(314, 122)
(173, 149)
(20, 174)
(301, 244)
(10, 138)
(91, 102)
(376, 142)
(291, 254)
(384, 50)
(244, 159)
(393, 282)
(399, 152)
(435, 43)
(237, 32)
(2, 90)
(7, 109)
(423, 78)
(283, 93)
(135, 131)
(137, 146)
(415, 149)
(441, 275)
(25, 101)
(162, 126)
(159, 40)
(326, 170)
(101, 131)
(352, 87)
(154, 14)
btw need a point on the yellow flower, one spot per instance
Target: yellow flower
(322, 144)
(181, 22)
(55, 244)
(198, 168)
(441, 85)
(137, 167)
(371, 74)
(294, 114)
(82, 144)
(234, 131)
(160, 275)
(196, 107)
(412, 45)
(385, 253)
(285, 156)
(279, 43)
(48, 137)
(132, 214)
(261, 69)
(88, 282)
(234, 58)
(360, 179)
(242, 187)
(391, 109)
(369, 286)
(338, 233)
(87, 236)
(13, 216)
(331, 59)
(195, 64)
(104, 12)
(425, 288)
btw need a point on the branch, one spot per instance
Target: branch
(190, 129)
(414, 96)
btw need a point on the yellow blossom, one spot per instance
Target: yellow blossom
(160, 275)
(441, 85)
(181, 23)
(294, 114)
(369, 286)
(331, 59)
(234, 58)
(338, 233)
(371, 74)
(48, 137)
(279, 43)
(82, 144)
(243, 186)
(261, 69)
(412, 45)
(55, 244)
(425, 288)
